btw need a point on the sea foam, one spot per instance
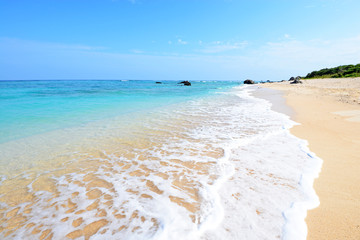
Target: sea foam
(271, 189)
(215, 167)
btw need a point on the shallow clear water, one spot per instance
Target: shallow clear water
(157, 162)
(32, 107)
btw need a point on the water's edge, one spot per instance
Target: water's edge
(295, 227)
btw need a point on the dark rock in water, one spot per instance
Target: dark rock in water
(248, 81)
(186, 83)
(268, 81)
(158, 82)
(283, 80)
(292, 79)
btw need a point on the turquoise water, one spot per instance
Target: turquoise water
(140, 160)
(32, 107)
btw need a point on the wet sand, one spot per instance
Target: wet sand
(107, 179)
(329, 113)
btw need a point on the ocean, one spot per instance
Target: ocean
(91, 159)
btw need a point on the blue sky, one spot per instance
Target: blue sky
(175, 39)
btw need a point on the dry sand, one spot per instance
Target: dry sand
(329, 113)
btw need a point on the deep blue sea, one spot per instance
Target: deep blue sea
(139, 160)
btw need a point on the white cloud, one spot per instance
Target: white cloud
(326, 51)
(180, 41)
(49, 45)
(294, 57)
(218, 47)
(137, 51)
(273, 60)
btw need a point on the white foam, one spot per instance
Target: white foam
(295, 227)
(251, 136)
(256, 208)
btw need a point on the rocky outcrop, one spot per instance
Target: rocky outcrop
(248, 81)
(292, 79)
(158, 82)
(186, 83)
(296, 80)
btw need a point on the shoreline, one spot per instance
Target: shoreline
(83, 186)
(328, 111)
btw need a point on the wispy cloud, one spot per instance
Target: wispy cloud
(216, 60)
(182, 42)
(287, 36)
(79, 47)
(219, 47)
(49, 45)
(137, 51)
(297, 57)
(326, 51)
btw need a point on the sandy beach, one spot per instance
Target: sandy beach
(328, 111)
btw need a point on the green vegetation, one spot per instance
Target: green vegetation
(336, 72)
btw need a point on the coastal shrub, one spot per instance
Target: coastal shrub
(336, 72)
